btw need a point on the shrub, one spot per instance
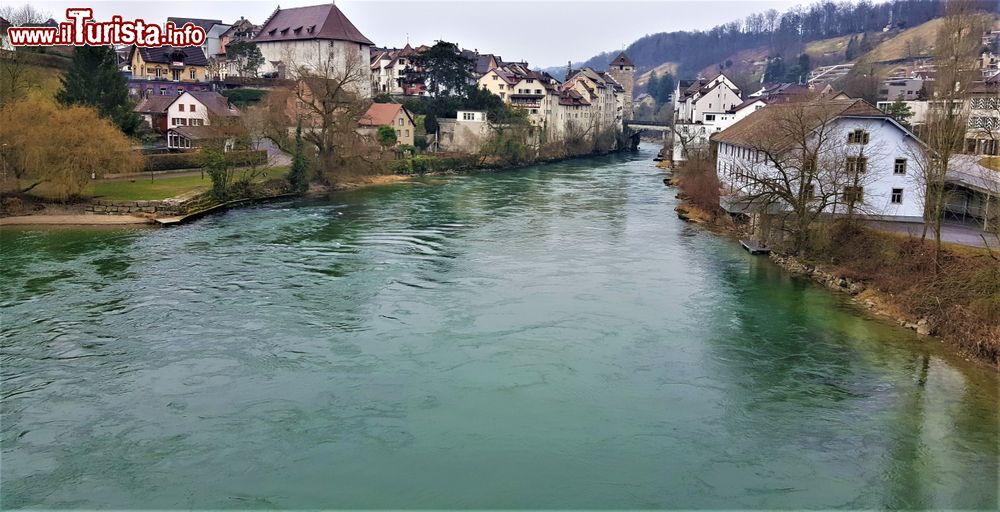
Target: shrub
(243, 97)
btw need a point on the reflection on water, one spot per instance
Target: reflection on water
(551, 337)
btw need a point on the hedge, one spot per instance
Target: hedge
(190, 160)
(244, 97)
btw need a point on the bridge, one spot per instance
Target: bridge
(656, 126)
(633, 127)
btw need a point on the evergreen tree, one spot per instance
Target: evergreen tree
(448, 72)
(900, 111)
(298, 175)
(93, 80)
(653, 86)
(852, 49)
(666, 87)
(775, 70)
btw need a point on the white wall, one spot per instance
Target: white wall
(316, 54)
(887, 142)
(174, 111)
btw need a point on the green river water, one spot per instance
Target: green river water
(552, 337)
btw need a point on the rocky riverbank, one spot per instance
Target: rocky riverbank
(905, 295)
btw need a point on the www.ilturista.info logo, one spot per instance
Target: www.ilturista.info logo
(82, 30)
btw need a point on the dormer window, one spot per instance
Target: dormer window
(858, 136)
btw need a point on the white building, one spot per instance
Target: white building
(317, 39)
(866, 160)
(703, 107)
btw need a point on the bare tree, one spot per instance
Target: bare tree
(328, 99)
(24, 15)
(958, 42)
(801, 167)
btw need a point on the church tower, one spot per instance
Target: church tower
(623, 71)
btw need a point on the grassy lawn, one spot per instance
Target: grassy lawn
(991, 162)
(161, 187)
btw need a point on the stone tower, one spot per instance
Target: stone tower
(623, 71)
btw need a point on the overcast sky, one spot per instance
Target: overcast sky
(545, 33)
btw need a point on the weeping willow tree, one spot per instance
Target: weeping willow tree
(60, 148)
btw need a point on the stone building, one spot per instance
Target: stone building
(622, 70)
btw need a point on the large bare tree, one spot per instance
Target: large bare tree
(328, 100)
(798, 166)
(956, 47)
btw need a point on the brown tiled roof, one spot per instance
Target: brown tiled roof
(314, 22)
(154, 104)
(749, 130)
(382, 114)
(216, 103)
(622, 60)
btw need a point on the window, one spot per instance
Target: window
(163, 91)
(710, 117)
(853, 194)
(899, 167)
(398, 133)
(857, 165)
(180, 106)
(192, 107)
(858, 136)
(406, 133)
(193, 74)
(809, 165)
(897, 196)
(494, 77)
(531, 81)
(809, 191)
(401, 121)
(179, 121)
(468, 116)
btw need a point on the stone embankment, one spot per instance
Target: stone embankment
(870, 298)
(166, 207)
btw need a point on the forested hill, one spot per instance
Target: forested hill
(781, 33)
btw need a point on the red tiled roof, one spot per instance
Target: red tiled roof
(314, 22)
(382, 114)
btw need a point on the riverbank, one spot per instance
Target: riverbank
(956, 301)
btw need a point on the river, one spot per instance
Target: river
(552, 337)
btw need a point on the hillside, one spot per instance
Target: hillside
(822, 30)
(667, 67)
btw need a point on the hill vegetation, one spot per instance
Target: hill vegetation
(822, 30)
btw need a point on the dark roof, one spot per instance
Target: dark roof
(622, 60)
(216, 103)
(483, 62)
(154, 104)
(750, 130)
(4, 24)
(314, 22)
(198, 22)
(190, 55)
